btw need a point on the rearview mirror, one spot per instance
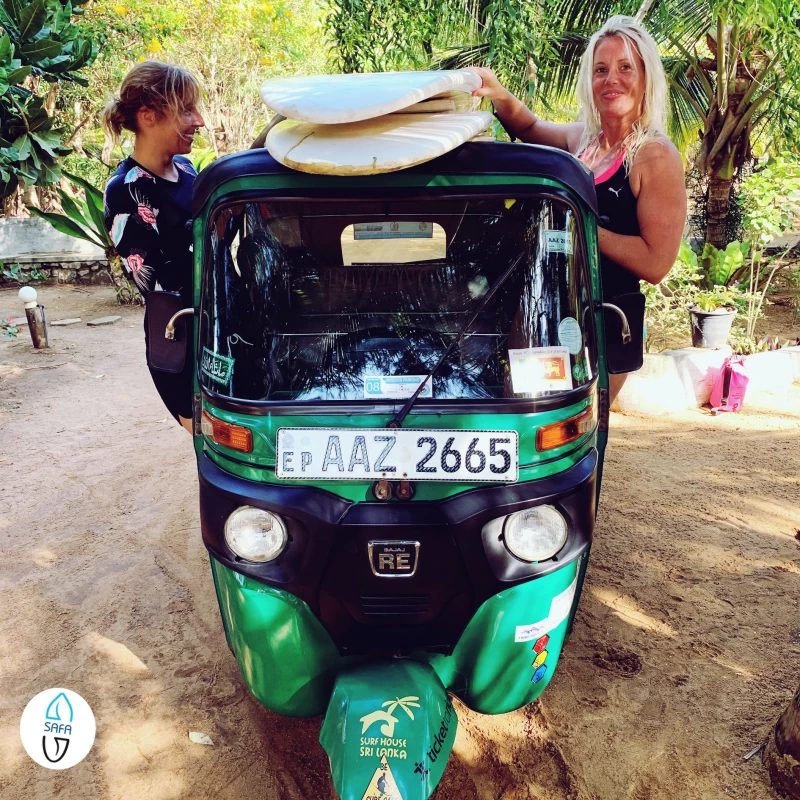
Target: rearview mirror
(167, 354)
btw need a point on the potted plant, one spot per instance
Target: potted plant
(712, 314)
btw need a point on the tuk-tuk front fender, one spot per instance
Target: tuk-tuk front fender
(388, 731)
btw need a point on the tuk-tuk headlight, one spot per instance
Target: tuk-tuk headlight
(255, 535)
(535, 534)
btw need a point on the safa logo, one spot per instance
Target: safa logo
(57, 728)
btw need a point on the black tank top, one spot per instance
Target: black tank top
(617, 206)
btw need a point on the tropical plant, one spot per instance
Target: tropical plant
(83, 218)
(714, 299)
(667, 303)
(39, 46)
(723, 267)
(773, 206)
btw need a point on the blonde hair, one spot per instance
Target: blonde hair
(653, 120)
(164, 88)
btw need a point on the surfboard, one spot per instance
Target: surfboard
(372, 146)
(336, 99)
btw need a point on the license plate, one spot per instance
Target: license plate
(357, 454)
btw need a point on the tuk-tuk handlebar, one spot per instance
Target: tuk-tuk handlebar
(626, 328)
(169, 333)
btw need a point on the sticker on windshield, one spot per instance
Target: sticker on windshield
(392, 230)
(393, 387)
(535, 370)
(570, 336)
(217, 367)
(558, 242)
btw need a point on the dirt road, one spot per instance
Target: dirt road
(686, 647)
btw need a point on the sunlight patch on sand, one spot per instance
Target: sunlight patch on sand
(116, 652)
(627, 609)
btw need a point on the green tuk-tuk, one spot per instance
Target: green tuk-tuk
(400, 419)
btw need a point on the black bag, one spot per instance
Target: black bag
(165, 355)
(625, 357)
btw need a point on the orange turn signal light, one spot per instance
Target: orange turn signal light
(236, 437)
(557, 434)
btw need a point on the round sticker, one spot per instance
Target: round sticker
(569, 335)
(57, 728)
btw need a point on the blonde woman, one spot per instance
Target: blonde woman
(620, 136)
(148, 199)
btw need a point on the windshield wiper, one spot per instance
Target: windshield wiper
(403, 413)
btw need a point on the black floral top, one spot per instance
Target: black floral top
(149, 220)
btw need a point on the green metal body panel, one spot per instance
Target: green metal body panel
(493, 668)
(388, 731)
(287, 659)
(259, 465)
(290, 663)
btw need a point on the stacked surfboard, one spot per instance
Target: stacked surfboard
(370, 123)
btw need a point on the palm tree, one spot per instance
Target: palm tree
(782, 755)
(732, 76)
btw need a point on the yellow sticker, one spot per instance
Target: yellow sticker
(382, 786)
(540, 659)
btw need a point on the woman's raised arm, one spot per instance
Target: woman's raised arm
(520, 121)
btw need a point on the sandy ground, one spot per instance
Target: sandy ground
(685, 650)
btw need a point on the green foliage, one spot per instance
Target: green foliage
(9, 329)
(716, 298)
(15, 272)
(511, 36)
(202, 158)
(667, 304)
(82, 217)
(39, 45)
(744, 344)
(771, 200)
(723, 267)
(231, 45)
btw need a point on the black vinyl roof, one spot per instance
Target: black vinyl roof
(472, 158)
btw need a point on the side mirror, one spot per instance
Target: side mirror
(167, 332)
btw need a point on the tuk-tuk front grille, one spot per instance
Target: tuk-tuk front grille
(405, 605)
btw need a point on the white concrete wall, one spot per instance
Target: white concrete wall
(681, 379)
(25, 240)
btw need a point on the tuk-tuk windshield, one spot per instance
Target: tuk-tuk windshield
(357, 300)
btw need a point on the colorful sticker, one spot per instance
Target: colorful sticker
(217, 367)
(539, 674)
(541, 644)
(535, 370)
(540, 659)
(526, 633)
(558, 242)
(382, 387)
(570, 336)
(560, 607)
(383, 785)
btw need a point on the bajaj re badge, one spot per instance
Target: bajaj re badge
(393, 559)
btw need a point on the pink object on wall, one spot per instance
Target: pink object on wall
(730, 385)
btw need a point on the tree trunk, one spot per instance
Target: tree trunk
(782, 754)
(719, 194)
